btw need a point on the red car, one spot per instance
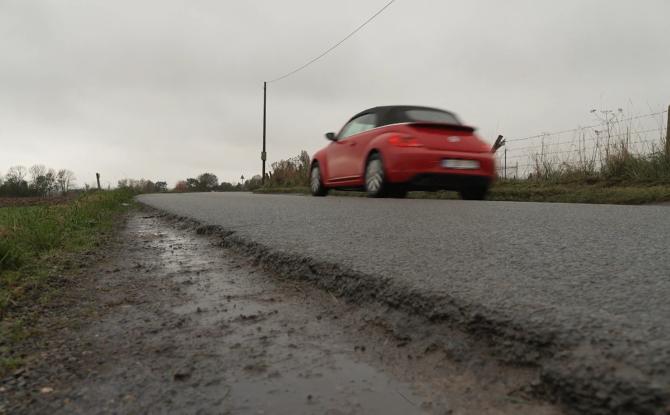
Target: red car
(391, 150)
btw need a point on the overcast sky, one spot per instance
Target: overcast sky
(168, 89)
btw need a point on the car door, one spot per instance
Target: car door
(343, 154)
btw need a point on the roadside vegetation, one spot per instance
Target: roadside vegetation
(619, 177)
(36, 244)
(616, 153)
(616, 163)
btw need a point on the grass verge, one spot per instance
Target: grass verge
(528, 191)
(598, 193)
(35, 243)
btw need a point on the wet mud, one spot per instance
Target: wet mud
(170, 322)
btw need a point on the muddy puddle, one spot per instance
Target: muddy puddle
(189, 327)
(280, 355)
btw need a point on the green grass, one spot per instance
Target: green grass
(599, 192)
(531, 191)
(34, 242)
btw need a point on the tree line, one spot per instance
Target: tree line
(143, 186)
(293, 172)
(205, 182)
(208, 182)
(38, 180)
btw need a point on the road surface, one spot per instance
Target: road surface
(581, 290)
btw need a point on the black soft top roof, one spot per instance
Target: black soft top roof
(392, 114)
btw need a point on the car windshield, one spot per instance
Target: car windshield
(430, 115)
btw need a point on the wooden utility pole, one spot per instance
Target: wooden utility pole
(97, 177)
(263, 153)
(667, 136)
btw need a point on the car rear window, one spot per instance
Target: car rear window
(428, 115)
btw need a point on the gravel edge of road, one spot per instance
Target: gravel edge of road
(584, 388)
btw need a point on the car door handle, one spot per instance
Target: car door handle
(352, 143)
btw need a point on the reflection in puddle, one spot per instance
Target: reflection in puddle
(289, 362)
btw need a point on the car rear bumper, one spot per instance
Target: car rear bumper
(422, 169)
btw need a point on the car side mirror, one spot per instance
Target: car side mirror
(331, 136)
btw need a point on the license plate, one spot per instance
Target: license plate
(460, 164)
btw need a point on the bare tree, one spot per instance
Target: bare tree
(64, 180)
(16, 174)
(50, 181)
(38, 180)
(36, 171)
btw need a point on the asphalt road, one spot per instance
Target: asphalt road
(586, 271)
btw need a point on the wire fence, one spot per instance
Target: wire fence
(586, 147)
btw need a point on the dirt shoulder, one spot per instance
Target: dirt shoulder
(166, 321)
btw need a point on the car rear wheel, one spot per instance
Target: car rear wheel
(315, 182)
(375, 178)
(474, 193)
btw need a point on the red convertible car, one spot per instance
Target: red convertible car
(391, 150)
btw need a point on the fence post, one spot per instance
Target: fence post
(505, 174)
(667, 136)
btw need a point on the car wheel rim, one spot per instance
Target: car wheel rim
(316, 180)
(374, 176)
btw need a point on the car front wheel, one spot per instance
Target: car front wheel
(316, 183)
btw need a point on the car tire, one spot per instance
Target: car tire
(316, 182)
(474, 193)
(375, 177)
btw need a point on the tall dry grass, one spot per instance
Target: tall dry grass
(293, 172)
(618, 151)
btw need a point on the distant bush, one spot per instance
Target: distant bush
(253, 184)
(206, 182)
(142, 186)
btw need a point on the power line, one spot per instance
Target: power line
(335, 45)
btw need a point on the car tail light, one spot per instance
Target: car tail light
(404, 141)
